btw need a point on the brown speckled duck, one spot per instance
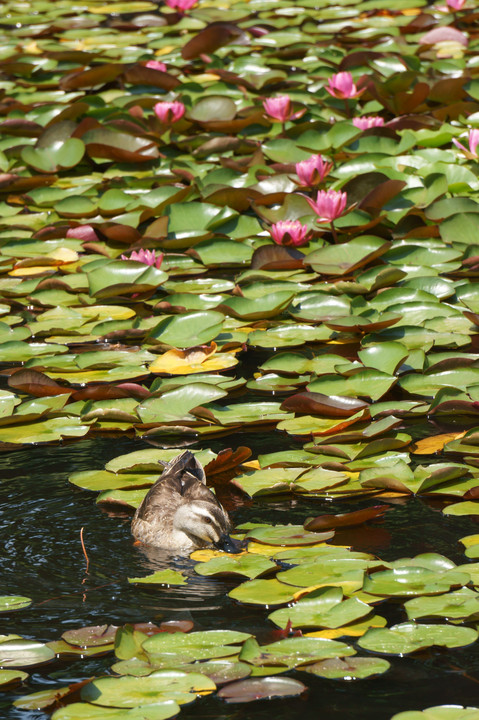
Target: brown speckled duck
(180, 513)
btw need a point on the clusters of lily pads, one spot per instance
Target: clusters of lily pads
(192, 190)
(325, 599)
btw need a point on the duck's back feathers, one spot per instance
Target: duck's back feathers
(176, 503)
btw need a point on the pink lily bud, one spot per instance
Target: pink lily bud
(455, 4)
(280, 108)
(313, 170)
(181, 5)
(289, 232)
(147, 257)
(341, 86)
(329, 205)
(169, 112)
(364, 123)
(473, 143)
(156, 65)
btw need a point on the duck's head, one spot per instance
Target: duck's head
(205, 523)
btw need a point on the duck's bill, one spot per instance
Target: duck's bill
(228, 545)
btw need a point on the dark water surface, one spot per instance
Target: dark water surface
(40, 519)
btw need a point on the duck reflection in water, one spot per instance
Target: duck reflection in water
(180, 514)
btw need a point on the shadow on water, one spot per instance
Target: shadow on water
(41, 518)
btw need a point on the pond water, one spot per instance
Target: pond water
(40, 532)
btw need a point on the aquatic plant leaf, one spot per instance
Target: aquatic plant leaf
(357, 517)
(409, 637)
(161, 577)
(159, 710)
(43, 430)
(150, 460)
(439, 712)
(129, 692)
(321, 608)
(99, 481)
(460, 604)
(462, 508)
(189, 330)
(194, 360)
(263, 592)
(344, 258)
(285, 535)
(221, 671)
(355, 668)
(293, 652)
(412, 580)
(13, 602)
(175, 405)
(94, 636)
(250, 566)
(264, 688)
(11, 678)
(471, 544)
(18, 653)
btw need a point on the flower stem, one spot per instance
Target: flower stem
(334, 233)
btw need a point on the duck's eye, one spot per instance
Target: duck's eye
(208, 520)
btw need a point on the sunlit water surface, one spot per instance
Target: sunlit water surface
(41, 518)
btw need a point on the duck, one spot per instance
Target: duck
(179, 513)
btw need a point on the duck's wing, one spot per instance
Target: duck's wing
(178, 477)
(185, 465)
(161, 499)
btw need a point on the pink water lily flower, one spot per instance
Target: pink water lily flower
(313, 170)
(473, 139)
(341, 86)
(364, 123)
(455, 4)
(289, 232)
(169, 112)
(329, 205)
(280, 108)
(156, 65)
(147, 257)
(181, 5)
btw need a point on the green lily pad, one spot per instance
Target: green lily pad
(11, 678)
(321, 608)
(184, 331)
(161, 577)
(18, 653)
(159, 710)
(460, 604)
(13, 602)
(439, 712)
(60, 155)
(129, 692)
(355, 668)
(250, 566)
(409, 637)
(293, 652)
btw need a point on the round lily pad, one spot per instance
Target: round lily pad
(440, 712)
(94, 636)
(128, 692)
(285, 535)
(354, 668)
(24, 653)
(11, 678)
(409, 637)
(13, 602)
(159, 710)
(264, 688)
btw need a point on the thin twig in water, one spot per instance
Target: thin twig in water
(84, 551)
